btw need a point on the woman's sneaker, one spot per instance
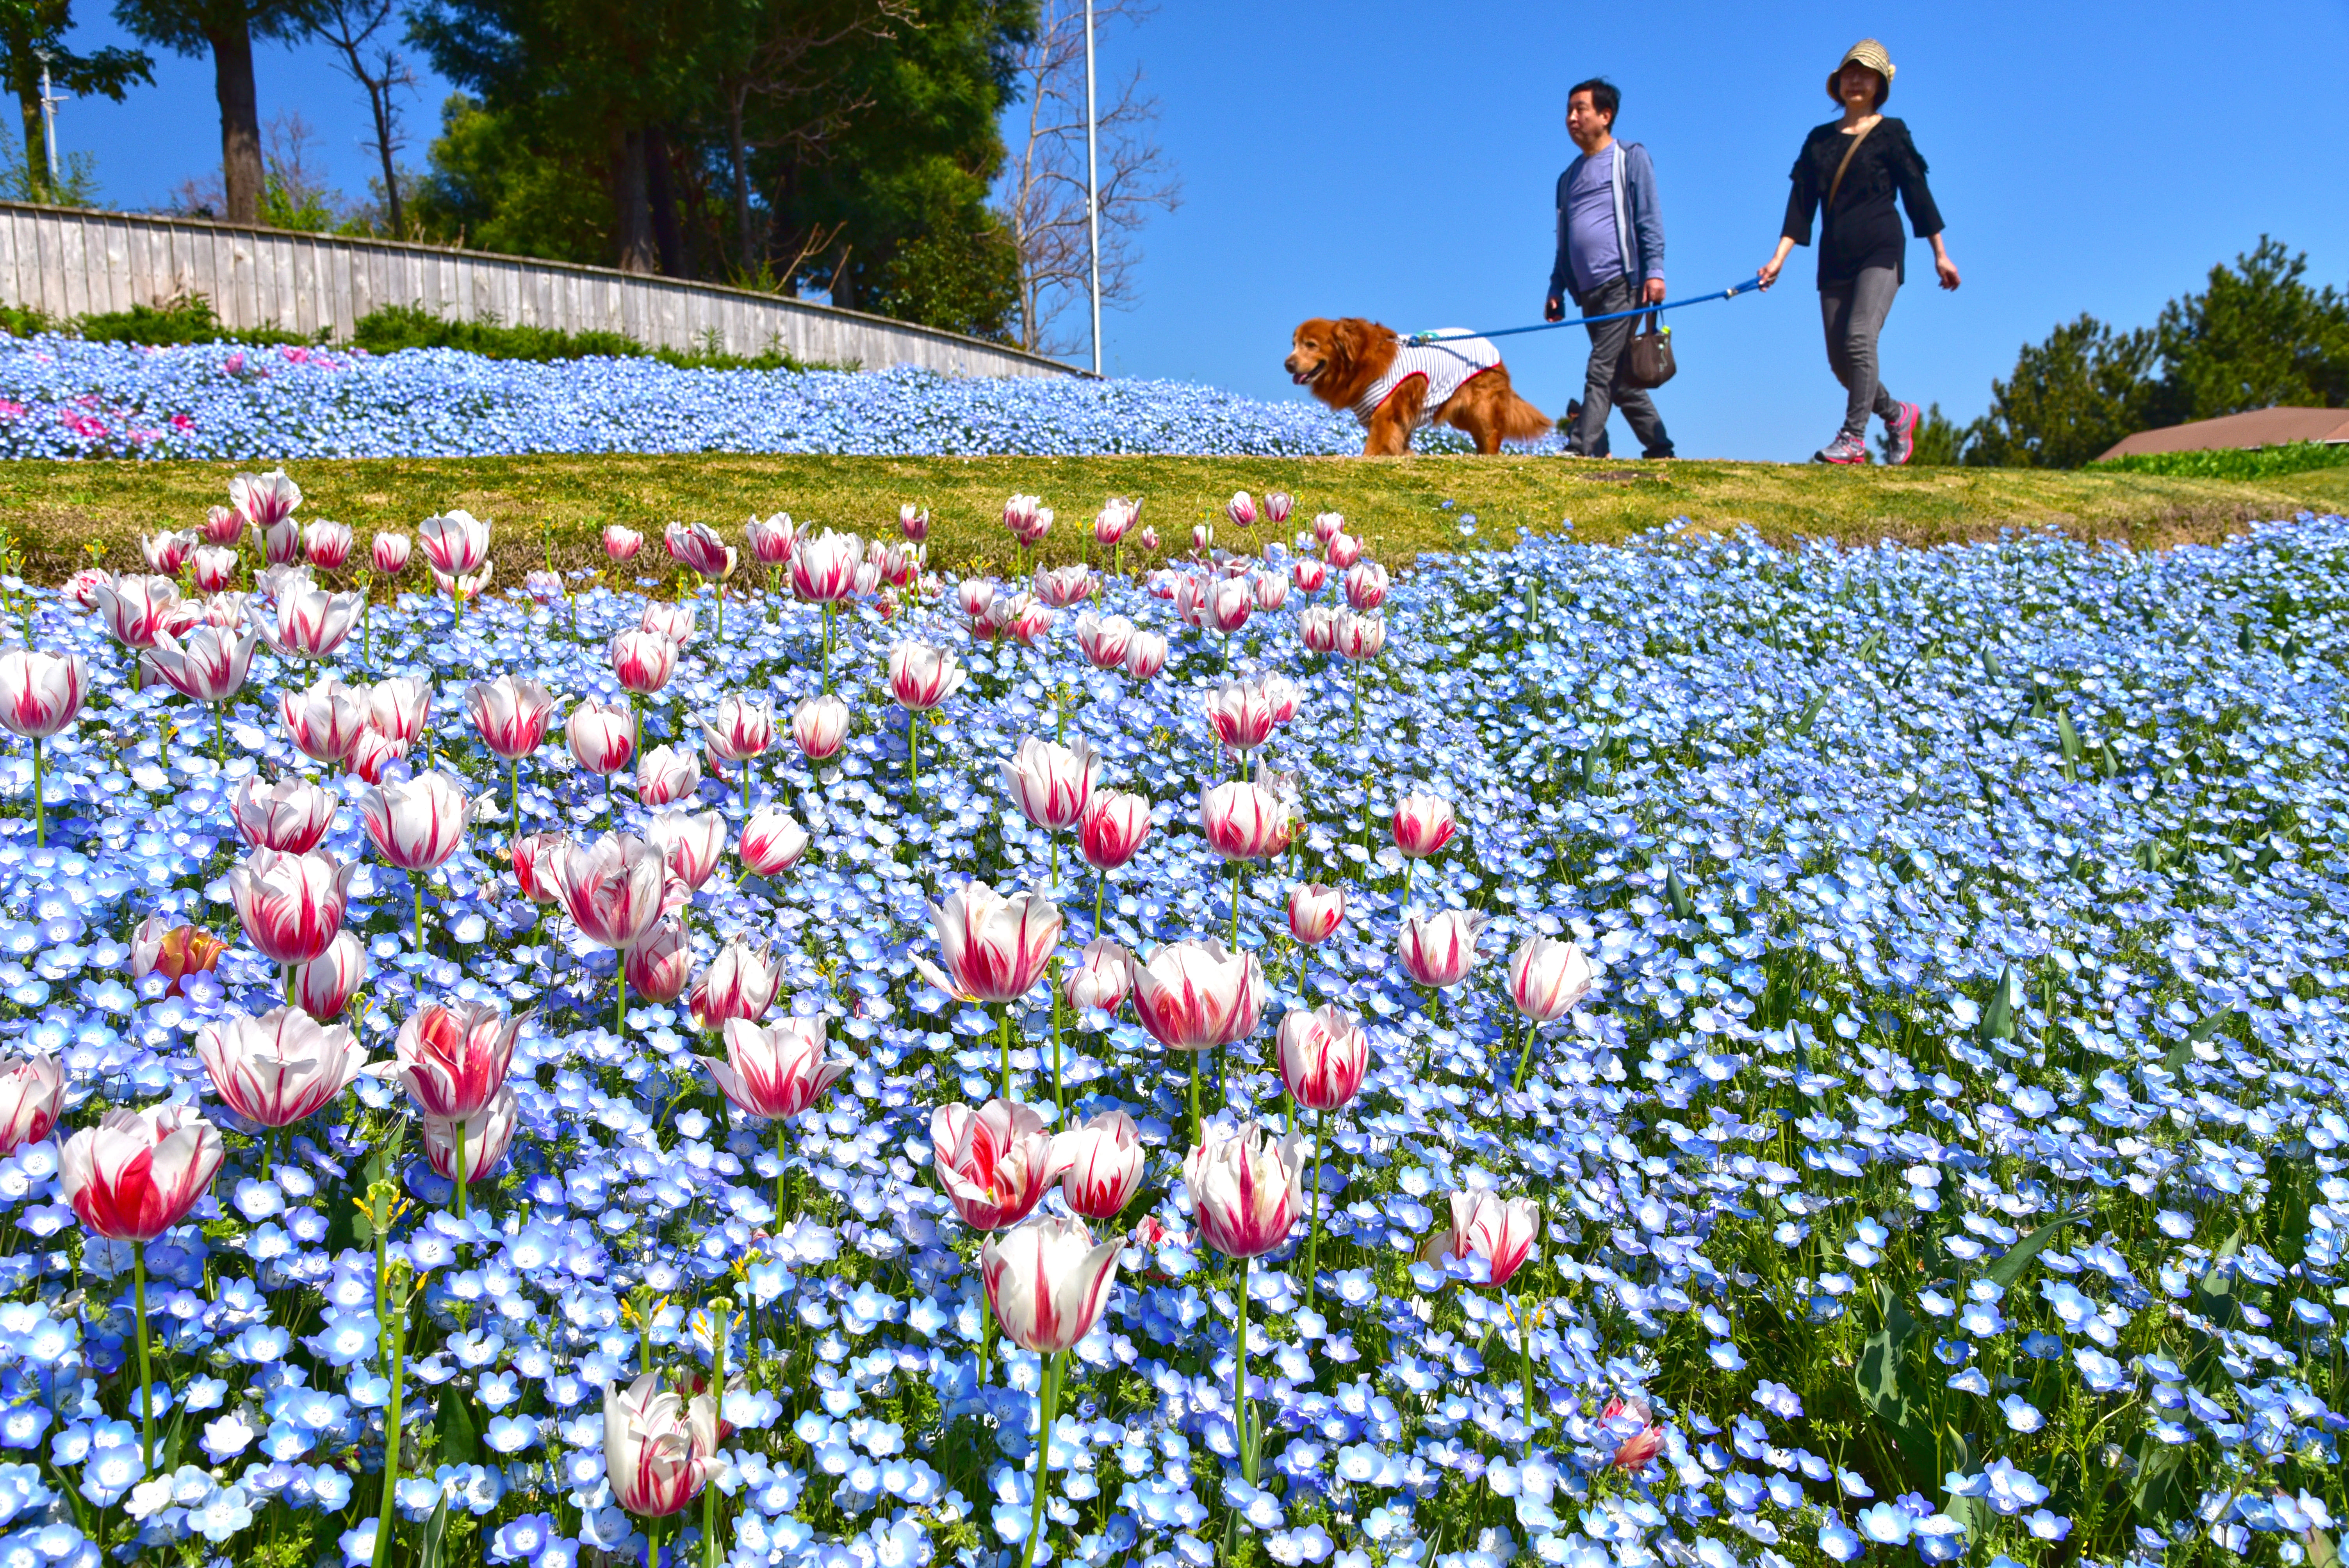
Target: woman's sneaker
(1848, 450)
(1903, 429)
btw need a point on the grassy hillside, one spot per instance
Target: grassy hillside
(60, 513)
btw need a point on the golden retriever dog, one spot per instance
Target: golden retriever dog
(1395, 388)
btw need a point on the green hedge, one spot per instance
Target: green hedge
(2235, 462)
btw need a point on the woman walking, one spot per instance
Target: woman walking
(1849, 171)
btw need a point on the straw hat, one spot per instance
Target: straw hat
(1869, 53)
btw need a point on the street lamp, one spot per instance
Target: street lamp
(49, 101)
(1092, 189)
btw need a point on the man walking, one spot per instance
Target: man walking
(1611, 257)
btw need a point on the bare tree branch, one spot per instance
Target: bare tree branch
(1044, 188)
(351, 26)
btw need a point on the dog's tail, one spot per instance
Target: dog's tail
(1521, 422)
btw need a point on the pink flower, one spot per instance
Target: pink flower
(1146, 656)
(820, 727)
(1227, 604)
(1277, 507)
(1366, 585)
(1360, 636)
(743, 729)
(1194, 996)
(418, 824)
(673, 620)
(921, 677)
(661, 961)
(1051, 783)
(602, 735)
(824, 569)
(264, 500)
(698, 549)
(389, 553)
(1105, 1161)
(138, 1172)
(772, 842)
(1247, 1189)
(1027, 518)
(535, 859)
(325, 987)
(1637, 1451)
(742, 983)
(134, 608)
(612, 888)
(1422, 825)
(1439, 949)
(1315, 912)
(452, 1057)
(996, 948)
(778, 1070)
(770, 539)
(1101, 977)
(1103, 639)
(994, 1162)
(208, 665)
(914, 523)
(487, 1133)
(1546, 978)
(1308, 573)
(1111, 831)
(324, 720)
(1244, 820)
(1048, 1282)
(510, 715)
(398, 709)
(1030, 622)
(1239, 715)
(1316, 628)
(281, 1068)
(689, 844)
(660, 1451)
(81, 590)
(1064, 587)
(621, 544)
(1343, 549)
(1271, 591)
(373, 755)
(1114, 521)
(1241, 510)
(1323, 1056)
(643, 661)
(1501, 1232)
(455, 543)
(167, 551)
(31, 1098)
(291, 906)
(310, 622)
(666, 775)
(40, 693)
(327, 546)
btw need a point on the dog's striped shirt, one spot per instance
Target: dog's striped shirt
(1446, 366)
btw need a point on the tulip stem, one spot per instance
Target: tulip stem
(710, 1555)
(1195, 1097)
(620, 996)
(1059, 1095)
(40, 807)
(913, 746)
(1313, 1211)
(1100, 886)
(419, 877)
(985, 1334)
(1525, 1058)
(146, 1381)
(781, 1127)
(219, 735)
(1048, 1401)
(460, 1168)
(827, 645)
(1525, 1350)
(746, 789)
(513, 782)
(1003, 1036)
(607, 802)
(1236, 909)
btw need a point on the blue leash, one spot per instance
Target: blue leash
(1732, 292)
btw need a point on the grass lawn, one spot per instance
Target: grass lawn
(60, 512)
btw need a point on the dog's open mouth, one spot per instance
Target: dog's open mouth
(1307, 377)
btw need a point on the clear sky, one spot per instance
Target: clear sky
(1396, 161)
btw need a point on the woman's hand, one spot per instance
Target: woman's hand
(1777, 259)
(1944, 268)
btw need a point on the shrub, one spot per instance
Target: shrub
(2236, 463)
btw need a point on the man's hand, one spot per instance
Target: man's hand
(1553, 309)
(1654, 293)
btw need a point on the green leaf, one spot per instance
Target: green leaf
(2210, 1026)
(2011, 1263)
(430, 1549)
(1884, 1385)
(2073, 750)
(458, 1445)
(1991, 666)
(1998, 1013)
(1677, 892)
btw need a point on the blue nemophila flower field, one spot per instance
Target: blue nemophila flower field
(1945, 1162)
(62, 398)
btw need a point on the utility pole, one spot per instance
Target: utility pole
(49, 101)
(1092, 188)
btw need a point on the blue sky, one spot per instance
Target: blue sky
(1396, 161)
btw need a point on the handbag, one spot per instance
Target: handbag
(1647, 357)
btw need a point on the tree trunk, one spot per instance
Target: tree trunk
(240, 113)
(379, 97)
(633, 221)
(741, 181)
(661, 190)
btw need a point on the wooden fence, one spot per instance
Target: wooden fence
(70, 261)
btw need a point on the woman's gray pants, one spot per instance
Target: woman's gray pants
(1853, 314)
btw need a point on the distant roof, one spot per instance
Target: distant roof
(2259, 427)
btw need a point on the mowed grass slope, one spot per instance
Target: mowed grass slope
(64, 514)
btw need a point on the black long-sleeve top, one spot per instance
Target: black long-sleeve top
(1862, 229)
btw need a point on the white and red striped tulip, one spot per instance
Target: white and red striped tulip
(1194, 996)
(264, 500)
(1240, 714)
(675, 619)
(824, 569)
(208, 665)
(1315, 912)
(914, 523)
(1343, 550)
(922, 676)
(1111, 831)
(772, 842)
(1242, 820)
(690, 843)
(743, 729)
(536, 857)
(612, 887)
(659, 1449)
(1500, 1230)
(1366, 586)
(1103, 639)
(223, 525)
(1316, 628)
(1439, 949)
(388, 552)
(1048, 1282)
(1360, 636)
(1031, 623)
(820, 727)
(1105, 1161)
(1327, 525)
(1063, 587)
(281, 1068)
(40, 693)
(1114, 521)
(1271, 591)
(374, 753)
(510, 715)
(643, 661)
(455, 543)
(31, 1098)
(136, 608)
(994, 1162)
(310, 623)
(418, 823)
(742, 983)
(995, 948)
(1241, 510)
(281, 542)
(1281, 694)
(452, 1057)
(291, 906)
(602, 735)
(138, 1172)
(775, 1069)
(1308, 573)
(325, 987)
(214, 568)
(1323, 1054)
(327, 546)
(1146, 656)
(1021, 514)
(324, 719)
(1148, 539)
(1277, 505)
(666, 775)
(399, 707)
(1051, 782)
(621, 544)
(488, 1132)
(770, 539)
(1423, 824)
(1548, 977)
(1247, 1189)
(1227, 606)
(290, 815)
(697, 548)
(660, 961)
(167, 551)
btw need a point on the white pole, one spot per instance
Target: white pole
(1092, 189)
(49, 123)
